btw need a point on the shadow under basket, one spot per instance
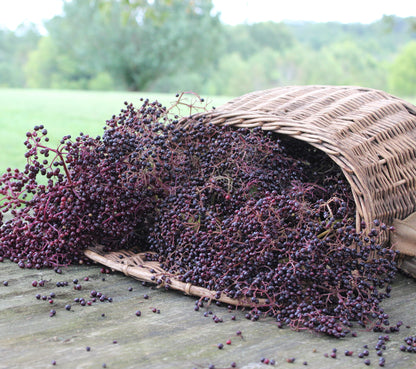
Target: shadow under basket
(369, 134)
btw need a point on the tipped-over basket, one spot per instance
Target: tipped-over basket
(369, 134)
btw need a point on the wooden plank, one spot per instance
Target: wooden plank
(178, 337)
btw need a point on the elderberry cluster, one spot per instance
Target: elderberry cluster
(256, 216)
(278, 230)
(86, 191)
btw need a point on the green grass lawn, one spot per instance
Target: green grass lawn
(65, 112)
(62, 112)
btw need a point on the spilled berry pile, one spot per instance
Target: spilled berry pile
(236, 211)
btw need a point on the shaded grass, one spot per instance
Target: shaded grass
(62, 112)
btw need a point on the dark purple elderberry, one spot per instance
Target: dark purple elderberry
(71, 222)
(382, 361)
(254, 216)
(410, 340)
(183, 202)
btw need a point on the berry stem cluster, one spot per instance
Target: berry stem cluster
(237, 211)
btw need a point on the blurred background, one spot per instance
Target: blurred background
(71, 64)
(222, 47)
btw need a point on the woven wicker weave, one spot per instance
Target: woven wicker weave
(368, 133)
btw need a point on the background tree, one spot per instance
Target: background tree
(177, 45)
(248, 39)
(132, 45)
(349, 64)
(14, 50)
(402, 77)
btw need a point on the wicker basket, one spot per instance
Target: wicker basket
(369, 134)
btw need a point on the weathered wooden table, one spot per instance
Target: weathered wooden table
(109, 334)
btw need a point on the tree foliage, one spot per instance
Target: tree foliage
(14, 50)
(403, 71)
(248, 39)
(133, 43)
(177, 45)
